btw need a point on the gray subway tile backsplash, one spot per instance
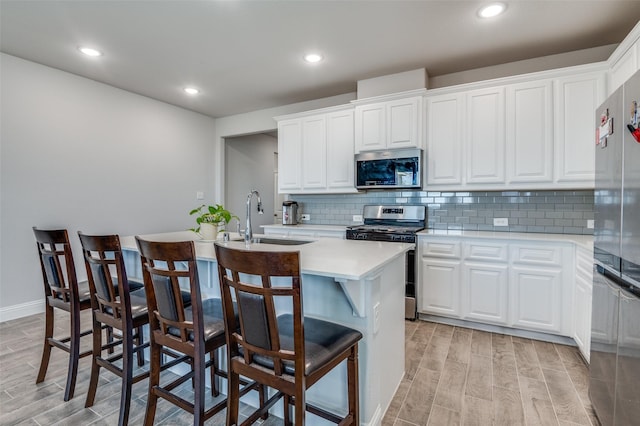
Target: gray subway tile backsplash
(559, 212)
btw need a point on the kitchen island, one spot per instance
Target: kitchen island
(359, 284)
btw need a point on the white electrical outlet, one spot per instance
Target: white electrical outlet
(500, 221)
(357, 218)
(590, 223)
(199, 195)
(306, 217)
(376, 317)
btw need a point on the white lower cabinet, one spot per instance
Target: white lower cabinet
(309, 231)
(520, 284)
(485, 291)
(582, 298)
(440, 292)
(536, 298)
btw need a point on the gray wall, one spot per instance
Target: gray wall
(560, 212)
(250, 164)
(82, 155)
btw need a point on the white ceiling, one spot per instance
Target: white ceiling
(247, 55)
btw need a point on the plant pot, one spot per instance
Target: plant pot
(209, 231)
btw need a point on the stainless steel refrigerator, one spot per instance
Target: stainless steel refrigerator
(615, 329)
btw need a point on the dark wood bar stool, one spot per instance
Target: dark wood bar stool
(116, 305)
(193, 331)
(62, 291)
(288, 352)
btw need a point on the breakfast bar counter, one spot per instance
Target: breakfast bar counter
(359, 284)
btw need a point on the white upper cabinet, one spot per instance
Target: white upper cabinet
(532, 132)
(315, 152)
(625, 60)
(576, 99)
(529, 132)
(444, 160)
(485, 136)
(390, 124)
(340, 150)
(289, 155)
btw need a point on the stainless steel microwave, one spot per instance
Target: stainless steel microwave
(393, 169)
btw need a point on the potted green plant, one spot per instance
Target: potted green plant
(210, 219)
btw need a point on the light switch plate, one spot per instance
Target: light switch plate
(357, 218)
(590, 223)
(199, 195)
(500, 221)
(305, 217)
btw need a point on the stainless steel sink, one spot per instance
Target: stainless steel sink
(277, 241)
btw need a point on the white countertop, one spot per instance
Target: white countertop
(337, 228)
(331, 257)
(585, 241)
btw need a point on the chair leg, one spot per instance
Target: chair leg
(95, 367)
(262, 396)
(287, 410)
(110, 339)
(46, 348)
(199, 364)
(352, 385)
(154, 381)
(215, 379)
(299, 405)
(74, 354)
(127, 377)
(139, 340)
(233, 397)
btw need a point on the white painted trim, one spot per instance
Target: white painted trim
(21, 310)
(625, 45)
(521, 78)
(376, 419)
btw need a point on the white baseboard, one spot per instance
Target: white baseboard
(9, 313)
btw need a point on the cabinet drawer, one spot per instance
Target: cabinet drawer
(478, 250)
(536, 255)
(446, 249)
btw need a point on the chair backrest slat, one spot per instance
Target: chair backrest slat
(164, 264)
(107, 276)
(54, 251)
(259, 332)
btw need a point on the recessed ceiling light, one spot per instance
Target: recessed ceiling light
(89, 51)
(313, 57)
(191, 90)
(491, 10)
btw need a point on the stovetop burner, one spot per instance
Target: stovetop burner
(389, 223)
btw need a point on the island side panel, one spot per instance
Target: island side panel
(381, 351)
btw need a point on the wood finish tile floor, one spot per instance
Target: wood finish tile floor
(454, 376)
(459, 376)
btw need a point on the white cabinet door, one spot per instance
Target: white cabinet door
(403, 123)
(440, 287)
(536, 298)
(485, 292)
(444, 139)
(371, 127)
(582, 316)
(576, 99)
(340, 148)
(314, 152)
(529, 132)
(485, 136)
(289, 155)
(388, 125)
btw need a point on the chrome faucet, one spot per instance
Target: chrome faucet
(248, 232)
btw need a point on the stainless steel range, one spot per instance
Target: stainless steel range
(394, 223)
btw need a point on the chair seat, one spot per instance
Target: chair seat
(212, 315)
(83, 292)
(322, 341)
